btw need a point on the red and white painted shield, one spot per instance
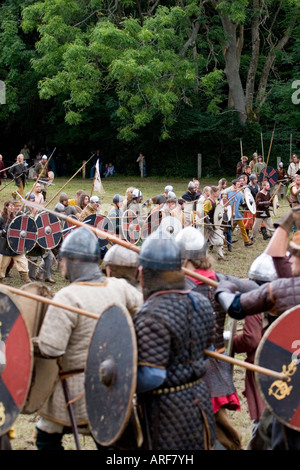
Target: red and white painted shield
(102, 223)
(151, 224)
(269, 174)
(22, 234)
(16, 360)
(279, 350)
(49, 231)
(131, 226)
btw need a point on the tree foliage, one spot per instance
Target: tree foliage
(176, 78)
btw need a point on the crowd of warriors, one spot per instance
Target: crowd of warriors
(180, 390)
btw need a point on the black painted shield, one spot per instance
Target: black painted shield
(110, 378)
(279, 350)
(15, 362)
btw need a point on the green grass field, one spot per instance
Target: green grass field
(238, 263)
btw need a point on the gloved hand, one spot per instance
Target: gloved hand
(296, 216)
(286, 221)
(225, 286)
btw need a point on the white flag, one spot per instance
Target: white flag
(97, 180)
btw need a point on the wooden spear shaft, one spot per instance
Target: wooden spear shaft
(60, 190)
(119, 241)
(246, 365)
(45, 300)
(253, 367)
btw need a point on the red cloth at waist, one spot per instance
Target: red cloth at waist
(231, 402)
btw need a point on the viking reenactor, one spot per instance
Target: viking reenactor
(173, 328)
(128, 197)
(37, 191)
(76, 200)
(213, 235)
(226, 220)
(66, 335)
(259, 166)
(115, 214)
(6, 253)
(241, 165)
(41, 170)
(277, 297)
(283, 178)
(235, 196)
(136, 200)
(219, 374)
(262, 211)
(294, 192)
(294, 166)
(19, 173)
(91, 208)
(64, 200)
(262, 270)
(253, 161)
(191, 194)
(122, 263)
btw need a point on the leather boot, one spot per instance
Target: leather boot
(25, 278)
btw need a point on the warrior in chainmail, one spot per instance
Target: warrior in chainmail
(173, 328)
(218, 375)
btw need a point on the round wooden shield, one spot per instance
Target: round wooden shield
(22, 234)
(16, 359)
(111, 374)
(170, 226)
(101, 222)
(49, 232)
(250, 201)
(68, 227)
(44, 371)
(279, 350)
(131, 226)
(275, 204)
(269, 174)
(218, 215)
(151, 223)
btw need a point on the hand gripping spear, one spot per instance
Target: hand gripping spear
(124, 243)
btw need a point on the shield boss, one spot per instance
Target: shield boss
(279, 350)
(110, 378)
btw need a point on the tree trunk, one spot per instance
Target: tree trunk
(250, 85)
(232, 66)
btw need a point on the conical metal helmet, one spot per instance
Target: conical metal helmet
(192, 243)
(262, 269)
(160, 251)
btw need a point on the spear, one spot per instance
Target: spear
(60, 190)
(79, 311)
(271, 142)
(262, 146)
(128, 245)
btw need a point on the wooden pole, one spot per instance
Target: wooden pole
(241, 146)
(38, 178)
(262, 146)
(269, 152)
(128, 245)
(79, 311)
(253, 367)
(60, 190)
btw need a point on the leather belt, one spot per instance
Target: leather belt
(178, 388)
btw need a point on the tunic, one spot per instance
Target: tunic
(67, 335)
